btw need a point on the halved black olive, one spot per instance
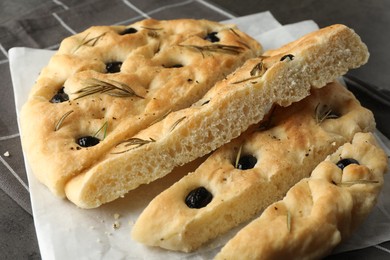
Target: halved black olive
(212, 37)
(345, 162)
(246, 162)
(87, 141)
(59, 97)
(129, 30)
(289, 56)
(113, 67)
(198, 198)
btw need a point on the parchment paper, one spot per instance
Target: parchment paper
(67, 232)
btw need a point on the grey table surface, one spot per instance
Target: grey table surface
(43, 23)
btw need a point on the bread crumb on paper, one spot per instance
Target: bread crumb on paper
(116, 225)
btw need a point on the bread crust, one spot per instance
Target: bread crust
(318, 212)
(288, 145)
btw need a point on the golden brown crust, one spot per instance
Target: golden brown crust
(318, 212)
(150, 57)
(288, 145)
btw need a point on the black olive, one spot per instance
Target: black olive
(246, 162)
(113, 67)
(198, 198)
(289, 56)
(87, 141)
(60, 96)
(345, 162)
(212, 37)
(129, 30)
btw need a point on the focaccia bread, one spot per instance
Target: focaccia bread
(120, 130)
(318, 212)
(243, 177)
(106, 84)
(229, 108)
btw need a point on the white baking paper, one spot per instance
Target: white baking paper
(67, 232)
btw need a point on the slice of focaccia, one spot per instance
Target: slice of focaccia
(279, 77)
(318, 212)
(246, 175)
(106, 84)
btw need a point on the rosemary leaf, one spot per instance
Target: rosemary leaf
(104, 126)
(322, 113)
(115, 89)
(246, 79)
(288, 221)
(234, 32)
(258, 70)
(221, 48)
(238, 157)
(90, 42)
(59, 123)
(161, 118)
(176, 123)
(349, 183)
(136, 142)
(151, 28)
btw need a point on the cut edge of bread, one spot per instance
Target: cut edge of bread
(227, 110)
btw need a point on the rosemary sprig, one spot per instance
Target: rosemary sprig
(176, 123)
(104, 126)
(59, 123)
(221, 48)
(349, 183)
(115, 89)
(238, 157)
(90, 42)
(322, 113)
(136, 142)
